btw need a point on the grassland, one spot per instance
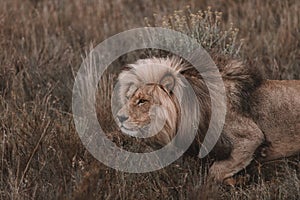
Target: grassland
(41, 48)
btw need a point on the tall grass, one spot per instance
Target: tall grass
(41, 45)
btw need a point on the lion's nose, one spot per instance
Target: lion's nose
(122, 118)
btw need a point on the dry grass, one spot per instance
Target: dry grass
(42, 43)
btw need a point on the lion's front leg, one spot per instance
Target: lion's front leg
(239, 159)
(246, 138)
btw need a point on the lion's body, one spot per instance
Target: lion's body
(275, 108)
(259, 112)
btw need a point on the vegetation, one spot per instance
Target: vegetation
(42, 44)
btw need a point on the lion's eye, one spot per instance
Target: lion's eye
(141, 101)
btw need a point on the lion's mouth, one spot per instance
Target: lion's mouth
(128, 131)
(140, 132)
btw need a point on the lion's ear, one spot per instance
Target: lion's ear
(168, 82)
(125, 68)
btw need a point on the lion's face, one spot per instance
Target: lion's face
(151, 94)
(148, 110)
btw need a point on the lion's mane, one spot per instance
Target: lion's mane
(239, 80)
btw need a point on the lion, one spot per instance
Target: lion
(261, 114)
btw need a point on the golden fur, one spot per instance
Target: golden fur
(259, 112)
